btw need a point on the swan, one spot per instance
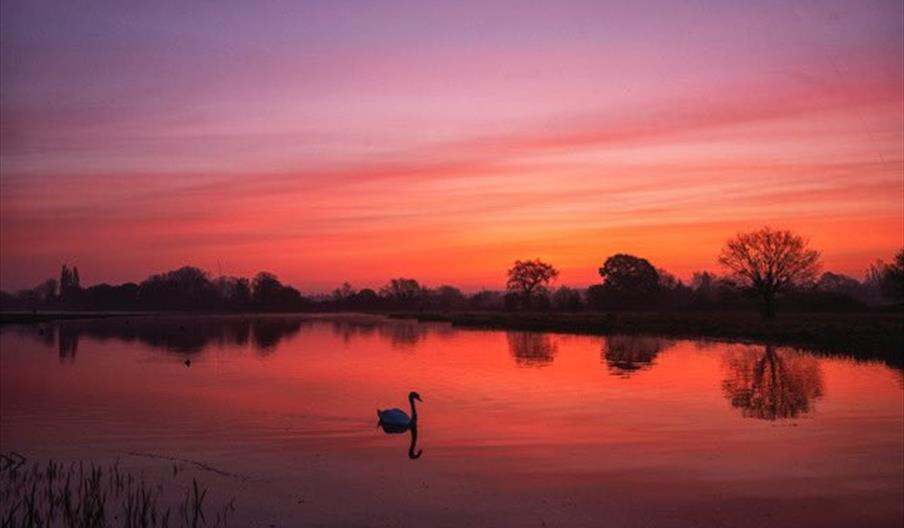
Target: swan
(397, 417)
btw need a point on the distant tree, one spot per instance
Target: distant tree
(42, 295)
(837, 282)
(107, 297)
(840, 285)
(447, 297)
(402, 290)
(704, 287)
(70, 287)
(673, 293)
(486, 300)
(769, 262)
(234, 292)
(343, 293)
(9, 302)
(186, 288)
(628, 281)
(365, 299)
(266, 289)
(892, 282)
(529, 278)
(567, 299)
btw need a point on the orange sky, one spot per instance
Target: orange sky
(336, 143)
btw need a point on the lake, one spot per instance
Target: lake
(515, 429)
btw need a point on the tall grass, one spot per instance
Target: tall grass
(93, 496)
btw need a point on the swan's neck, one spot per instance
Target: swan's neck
(411, 454)
(413, 409)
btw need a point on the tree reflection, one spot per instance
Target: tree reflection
(531, 349)
(267, 332)
(402, 333)
(67, 343)
(768, 385)
(627, 354)
(178, 335)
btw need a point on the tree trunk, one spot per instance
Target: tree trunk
(768, 305)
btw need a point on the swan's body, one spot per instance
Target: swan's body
(394, 417)
(398, 417)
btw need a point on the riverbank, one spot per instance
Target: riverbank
(867, 335)
(872, 335)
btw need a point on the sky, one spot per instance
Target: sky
(358, 141)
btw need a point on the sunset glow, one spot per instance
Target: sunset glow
(328, 142)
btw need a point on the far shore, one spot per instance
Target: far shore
(875, 335)
(865, 335)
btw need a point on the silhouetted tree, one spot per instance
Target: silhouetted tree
(447, 297)
(107, 297)
(705, 289)
(187, 288)
(839, 283)
(269, 294)
(891, 279)
(529, 278)
(234, 292)
(628, 282)
(265, 288)
(486, 300)
(769, 262)
(566, 299)
(343, 293)
(70, 287)
(46, 292)
(402, 292)
(771, 385)
(365, 299)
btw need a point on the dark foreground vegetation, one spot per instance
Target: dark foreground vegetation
(88, 496)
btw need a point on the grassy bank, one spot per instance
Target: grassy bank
(867, 335)
(88, 495)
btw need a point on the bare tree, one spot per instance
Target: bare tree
(527, 277)
(769, 261)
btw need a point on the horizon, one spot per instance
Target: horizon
(376, 286)
(332, 143)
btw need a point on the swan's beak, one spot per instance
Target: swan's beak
(418, 398)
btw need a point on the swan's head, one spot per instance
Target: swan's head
(414, 396)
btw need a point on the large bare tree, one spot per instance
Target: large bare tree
(528, 277)
(769, 261)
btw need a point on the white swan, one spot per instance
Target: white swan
(397, 417)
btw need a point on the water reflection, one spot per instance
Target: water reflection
(627, 354)
(192, 335)
(401, 333)
(531, 349)
(299, 421)
(67, 344)
(184, 336)
(769, 385)
(413, 452)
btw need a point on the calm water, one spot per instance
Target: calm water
(523, 429)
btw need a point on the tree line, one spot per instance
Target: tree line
(761, 269)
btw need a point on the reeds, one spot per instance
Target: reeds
(89, 496)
